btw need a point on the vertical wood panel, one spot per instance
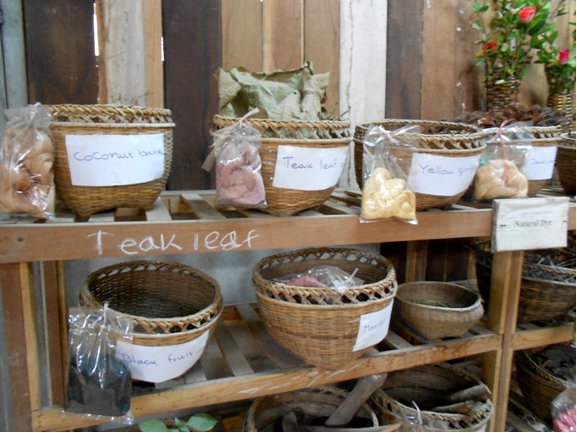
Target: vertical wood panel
(60, 51)
(321, 44)
(282, 34)
(404, 57)
(191, 56)
(152, 16)
(242, 34)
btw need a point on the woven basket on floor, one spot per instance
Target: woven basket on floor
(317, 403)
(327, 134)
(427, 386)
(107, 120)
(436, 138)
(168, 303)
(565, 163)
(438, 309)
(320, 325)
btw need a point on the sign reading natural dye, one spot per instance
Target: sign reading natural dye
(115, 159)
(441, 175)
(373, 327)
(308, 169)
(540, 163)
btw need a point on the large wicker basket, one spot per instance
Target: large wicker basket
(428, 386)
(438, 309)
(317, 403)
(107, 120)
(321, 325)
(447, 139)
(305, 134)
(565, 163)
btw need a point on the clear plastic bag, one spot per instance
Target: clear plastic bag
(98, 383)
(26, 159)
(385, 190)
(500, 172)
(331, 277)
(563, 411)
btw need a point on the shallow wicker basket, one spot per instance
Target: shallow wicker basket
(105, 120)
(327, 134)
(436, 138)
(565, 163)
(167, 303)
(538, 385)
(438, 309)
(426, 386)
(318, 402)
(320, 325)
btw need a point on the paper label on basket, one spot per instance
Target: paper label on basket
(160, 363)
(540, 163)
(115, 159)
(373, 327)
(441, 175)
(308, 169)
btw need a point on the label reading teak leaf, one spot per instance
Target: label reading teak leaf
(529, 223)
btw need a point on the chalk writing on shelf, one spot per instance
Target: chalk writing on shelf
(163, 242)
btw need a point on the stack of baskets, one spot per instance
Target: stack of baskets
(294, 133)
(321, 325)
(168, 303)
(565, 163)
(447, 139)
(98, 120)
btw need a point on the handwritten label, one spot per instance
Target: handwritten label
(308, 169)
(540, 163)
(441, 175)
(373, 327)
(160, 363)
(168, 243)
(529, 223)
(115, 159)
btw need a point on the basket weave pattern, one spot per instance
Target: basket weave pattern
(436, 138)
(168, 303)
(565, 163)
(101, 120)
(328, 134)
(320, 325)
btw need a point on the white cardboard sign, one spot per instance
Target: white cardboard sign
(115, 159)
(529, 223)
(373, 327)
(540, 163)
(308, 169)
(441, 175)
(160, 363)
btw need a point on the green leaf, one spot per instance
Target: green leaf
(201, 422)
(153, 425)
(181, 425)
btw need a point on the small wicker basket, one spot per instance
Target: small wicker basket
(438, 309)
(565, 163)
(168, 303)
(436, 138)
(105, 120)
(320, 325)
(544, 136)
(327, 134)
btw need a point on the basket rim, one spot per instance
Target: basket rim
(537, 369)
(112, 125)
(281, 141)
(473, 131)
(312, 124)
(474, 305)
(348, 306)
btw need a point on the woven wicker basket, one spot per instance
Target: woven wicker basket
(105, 120)
(544, 136)
(317, 403)
(320, 325)
(438, 309)
(565, 163)
(538, 385)
(168, 303)
(500, 93)
(328, 134)
(436, 138)
(426, 386)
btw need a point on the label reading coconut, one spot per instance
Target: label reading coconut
(115, 159)
(160, 363)
(373, 327)
(441, 175)
(308, 169)
(540, 163)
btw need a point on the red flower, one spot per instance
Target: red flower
(564, 55)
(490, 46)
(527, 14)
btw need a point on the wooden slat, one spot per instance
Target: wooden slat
(158, 212)
(282, 34)
(152, 17)
(212, 361)
(61, 65)
(201, 208)
(241, 29)
(397, 341)
(416, 267)
(250, 346)
(236, 360)
(529, 339)
(195, 374)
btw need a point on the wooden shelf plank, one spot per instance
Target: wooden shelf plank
(531, 338)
